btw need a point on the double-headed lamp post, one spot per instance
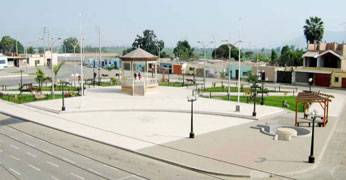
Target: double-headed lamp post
(254, 89)
(229, 74)
(237, 107)
(310, 83)
(204, 44)
(192, 99)
(311, 157)
(262, 88)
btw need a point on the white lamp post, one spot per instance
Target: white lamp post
(229, 76)
(204, 45)
(237, 107)
(51, 63)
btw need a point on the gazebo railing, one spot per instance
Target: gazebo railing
(149, 82)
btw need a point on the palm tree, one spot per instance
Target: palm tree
(56, 69)
(40, 77)
(313, 29)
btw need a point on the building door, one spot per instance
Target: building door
(284, 77)
(236, 74)
(343, 84)
(322, 80)
(16, 62)
(263, 76)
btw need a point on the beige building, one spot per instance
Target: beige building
(325, 63)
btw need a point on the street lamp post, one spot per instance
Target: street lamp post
(310, 83)
(204, 45)
(254, 87)
(262, 87)
(63, 96)
(311, 157)
(51, 64)
(229, 74)
(74, 64)
(21, 81)
(262, 98)
(237, 107)
(192, 99)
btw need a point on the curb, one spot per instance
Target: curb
(163, 110)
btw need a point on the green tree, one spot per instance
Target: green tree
(290, 56)
(30, 50)
(273, 57)
(285, 55)
(313, 29)
(148, 42)
(9, 45)
(222, 52)
(183, 50)
(70, 44)
(56, 68)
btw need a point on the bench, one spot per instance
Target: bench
(318, 120)
(38, 95)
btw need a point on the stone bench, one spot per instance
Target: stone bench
(285, 134)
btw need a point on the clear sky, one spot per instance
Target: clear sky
(265, 23)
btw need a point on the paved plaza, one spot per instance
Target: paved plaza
(158, 124)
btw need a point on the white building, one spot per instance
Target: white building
(3, 61)
(50, 58)
(36, 60)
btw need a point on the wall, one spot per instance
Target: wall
(340, 75)
(244, 68)
(270, 72)
(34, 58)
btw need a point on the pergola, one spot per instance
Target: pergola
(309, 97)
(135, 78)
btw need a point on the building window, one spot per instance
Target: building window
(336, 79)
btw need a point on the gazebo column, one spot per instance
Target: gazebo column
(133, 79)
(155, 65)
(146, 73)
(296, 117)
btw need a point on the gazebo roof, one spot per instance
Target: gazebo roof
(138, 55)
(310, 96)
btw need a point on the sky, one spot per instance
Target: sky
(259, 23)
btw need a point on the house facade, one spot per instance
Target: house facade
(325, 63)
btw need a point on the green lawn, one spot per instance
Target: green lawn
(234, 89)
(26, 98)
(276, 101)
(59, 88)
(173, 84)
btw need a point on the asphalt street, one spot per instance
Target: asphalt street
(26, 157)
(31, 151)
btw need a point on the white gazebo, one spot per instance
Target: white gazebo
(139, 72)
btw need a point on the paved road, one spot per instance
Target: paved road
(31, 151)
(26, 157)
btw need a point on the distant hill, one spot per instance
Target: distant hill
(329, 36)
